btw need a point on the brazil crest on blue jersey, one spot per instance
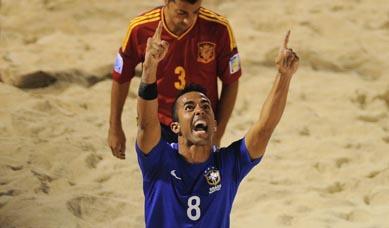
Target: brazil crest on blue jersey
(180, 194)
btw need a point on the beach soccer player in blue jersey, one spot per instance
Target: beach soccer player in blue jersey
(192, 183)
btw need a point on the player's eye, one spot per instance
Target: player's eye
(189, 107)
(206, 106)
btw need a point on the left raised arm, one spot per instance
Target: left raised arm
(259, 134)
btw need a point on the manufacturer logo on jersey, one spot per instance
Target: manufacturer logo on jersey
(206, 52)
(234, 63)
(173, 173)
(212, 176)
(118, 67)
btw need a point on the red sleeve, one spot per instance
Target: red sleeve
(228, 61)
(127, 58)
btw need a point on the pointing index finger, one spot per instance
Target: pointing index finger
(286, 40)
(158, 32)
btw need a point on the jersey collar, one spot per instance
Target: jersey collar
(171, 33)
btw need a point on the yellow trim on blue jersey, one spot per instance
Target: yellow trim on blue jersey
(223, 22)
(148, 17)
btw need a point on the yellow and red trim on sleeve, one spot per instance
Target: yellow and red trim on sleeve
(214, 17)
(151, 16)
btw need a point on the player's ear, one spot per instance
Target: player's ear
(175, 126)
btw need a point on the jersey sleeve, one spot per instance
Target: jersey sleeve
(152, 163)
(228, 60)
(238, 157)
(127, 57)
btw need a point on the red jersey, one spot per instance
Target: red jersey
(206, 51)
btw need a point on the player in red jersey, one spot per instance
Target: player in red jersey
(202, 48)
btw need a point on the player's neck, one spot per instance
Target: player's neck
(194, 153)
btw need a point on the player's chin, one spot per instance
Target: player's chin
(183, 27)
(201, 136)
(200, 133)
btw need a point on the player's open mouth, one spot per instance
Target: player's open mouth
(200, 126)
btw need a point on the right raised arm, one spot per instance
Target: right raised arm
(149, 129)
(259, 134)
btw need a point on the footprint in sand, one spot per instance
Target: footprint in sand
(103, 178)
(322, 167)
(286, 220)
(341, 162)
(379, 197)
(372, 118)
(92, 160)
(373, 174)
(314, 28)
(335, 188)
(356, 216)
(96, 209)
(44, 180)
(305, 131)
(15, 167)
(385, 25)
(36, 79)
(11, 192)
(242, 107)
(353, 146)
(360, 99)
(384, 97)
(6, 196)
(81, 206)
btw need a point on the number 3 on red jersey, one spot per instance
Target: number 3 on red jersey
(181, 83)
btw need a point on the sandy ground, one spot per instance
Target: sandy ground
(328, 161)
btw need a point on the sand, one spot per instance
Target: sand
(327, 164)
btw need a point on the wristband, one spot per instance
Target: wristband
(148, 91)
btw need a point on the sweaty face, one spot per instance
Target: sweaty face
(196, 118)
(180, 15)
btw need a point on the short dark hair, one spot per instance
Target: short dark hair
(190, 1)
(189, 88)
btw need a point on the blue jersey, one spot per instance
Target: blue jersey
(180, 194)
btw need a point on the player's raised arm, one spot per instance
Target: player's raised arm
(149, 129)
(259, 134)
